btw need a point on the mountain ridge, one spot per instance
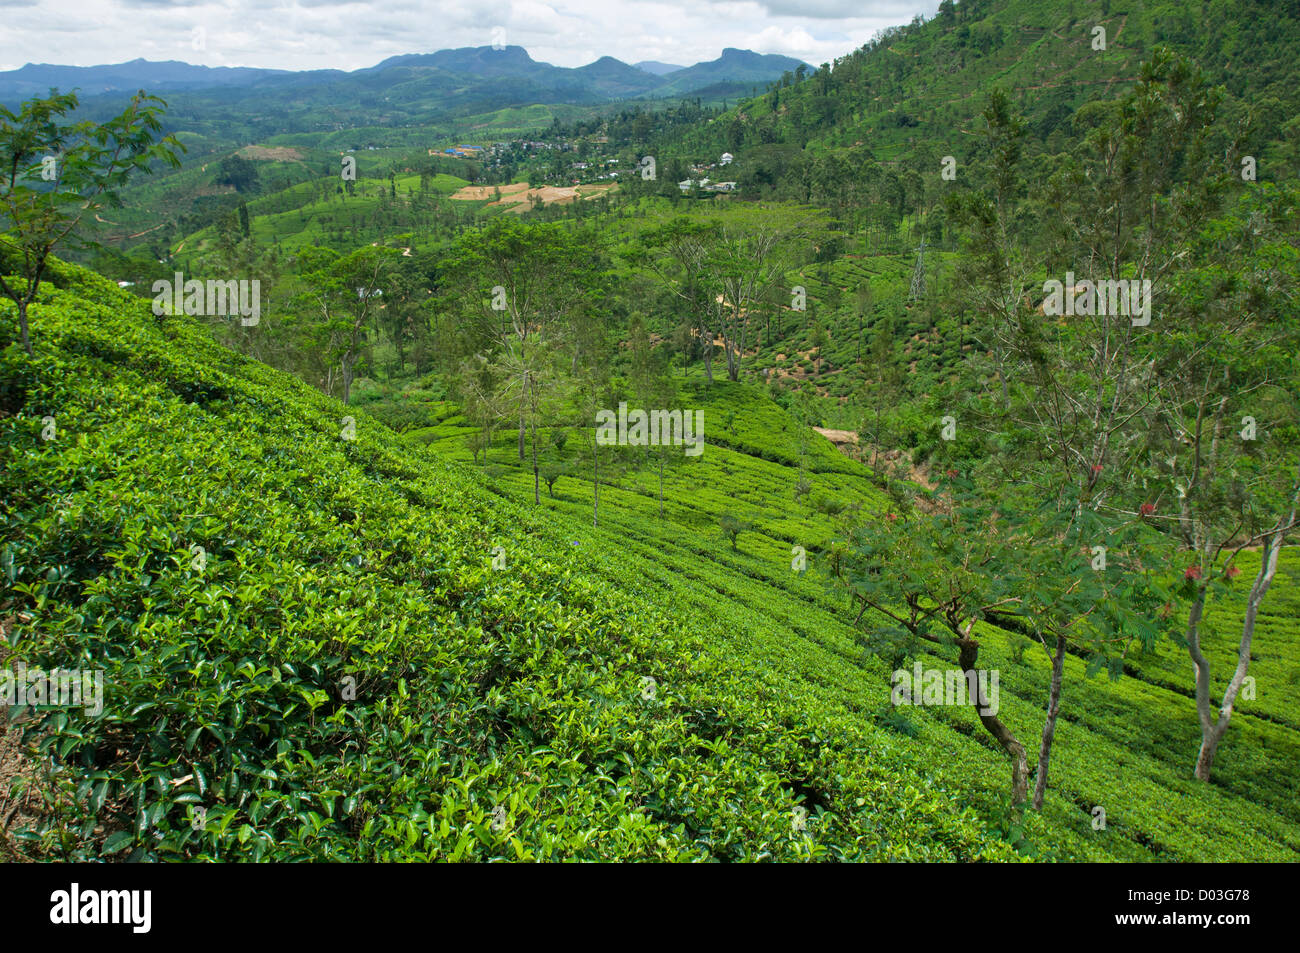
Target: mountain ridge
(607, 76)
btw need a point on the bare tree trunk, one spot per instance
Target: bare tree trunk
(970, 650)
(875, 437)
(1212, 732)
(347, 376)
(521, 420)
(1210, 739)
(537, 492)
(1202, 665)
(595, 483)
(22, 328)
(1049, 726)
(740, 350)
(661, 483)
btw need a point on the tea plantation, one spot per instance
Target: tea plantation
(326, 640)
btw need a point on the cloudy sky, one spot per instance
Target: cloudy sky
(309, 34)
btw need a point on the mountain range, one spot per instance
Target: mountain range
(656, 67)
(606, 78)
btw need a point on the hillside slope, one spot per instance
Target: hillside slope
(915, 93)
(345, 675)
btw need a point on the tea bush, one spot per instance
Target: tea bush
(379, 657)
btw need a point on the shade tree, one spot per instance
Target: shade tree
(54, 172)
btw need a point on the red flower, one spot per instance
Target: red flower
(1232, 572)
(1193, 572)
(1096, 468)
(952, 474)
(890, 517)
(1146, 509)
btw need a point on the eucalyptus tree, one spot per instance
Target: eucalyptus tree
(1225, 439)
(652, 386)
(678, 254)
(347, 294)
(727, 268)
(994, 266)
(749, 260)
(511, 282)
(1063, 440)
(478, 385)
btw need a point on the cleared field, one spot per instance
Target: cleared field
(520, 196)
(271, 153)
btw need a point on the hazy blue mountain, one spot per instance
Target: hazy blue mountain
(607, 77)
(616, 78)
(37, 78)
(471, 61)
(657, 68)
(422, 87)
(733, 67)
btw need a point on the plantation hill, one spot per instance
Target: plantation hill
(871, 129)
(327, 638)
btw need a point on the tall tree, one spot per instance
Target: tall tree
(653, 388)
(678, 254)
(994, 264)
(1226, 424)
(347, 293)
(749, 260)
(512, 281)
(52, 174)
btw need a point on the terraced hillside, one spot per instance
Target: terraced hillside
(324, 639)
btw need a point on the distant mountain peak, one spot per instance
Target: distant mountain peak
(513, 76)
(656, 68)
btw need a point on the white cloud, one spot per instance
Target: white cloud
(350, 34)
(896, 11)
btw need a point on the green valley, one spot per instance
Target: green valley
(466, 458)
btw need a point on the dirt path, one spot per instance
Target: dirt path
(837, 437)
(18, 803)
